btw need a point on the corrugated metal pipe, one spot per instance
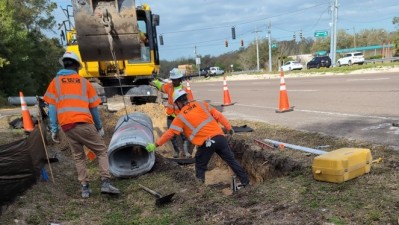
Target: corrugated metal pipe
(126, 152)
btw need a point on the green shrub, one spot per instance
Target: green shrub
(375, 57)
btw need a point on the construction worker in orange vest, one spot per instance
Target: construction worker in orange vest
(199, 122)
(73, 105)
(171, 109)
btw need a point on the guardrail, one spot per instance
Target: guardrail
(390, 59)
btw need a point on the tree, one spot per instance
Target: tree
(28, 59)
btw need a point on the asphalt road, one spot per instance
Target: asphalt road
(360, 107)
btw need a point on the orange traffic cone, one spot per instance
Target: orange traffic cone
(226, 94)
(26, 119)
(189, 92)
(284, 104)
(89, 154)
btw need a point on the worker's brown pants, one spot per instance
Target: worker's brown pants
(86, 135)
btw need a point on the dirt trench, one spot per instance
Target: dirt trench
(260, 164)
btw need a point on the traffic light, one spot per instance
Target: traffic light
(233, 33)
(226, 43)
(294, 37)
(242, 43)
(161, 39)
(300, 35)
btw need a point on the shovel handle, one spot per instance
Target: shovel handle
(150, 191)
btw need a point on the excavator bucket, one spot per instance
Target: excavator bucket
(106, 29)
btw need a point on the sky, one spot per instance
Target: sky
(191, 27)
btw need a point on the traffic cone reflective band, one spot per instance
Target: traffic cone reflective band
(26, 119)
(226, 93)
(89, 154)
(284, 105)
(189, 92)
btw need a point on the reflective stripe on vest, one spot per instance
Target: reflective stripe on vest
(195, 130)
(176, 128)
(50, 95)
(73, 109)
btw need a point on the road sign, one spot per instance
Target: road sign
(274, 45)
(322, 33)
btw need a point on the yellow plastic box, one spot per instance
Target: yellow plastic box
(342, 164)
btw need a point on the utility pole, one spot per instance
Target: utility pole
(354, 37)
(257, 49)
(333, 42)
(269, 34)
(197, 61)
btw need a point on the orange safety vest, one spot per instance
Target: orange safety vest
(72, 96)
(171, 107)
(198, 121)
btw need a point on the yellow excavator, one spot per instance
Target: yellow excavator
(117, 43)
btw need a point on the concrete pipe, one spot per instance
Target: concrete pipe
(126, 152)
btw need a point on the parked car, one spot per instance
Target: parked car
(319, 61)
(351, 58)
(292, 65)
(215, 71)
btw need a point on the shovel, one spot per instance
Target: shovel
(160, 200)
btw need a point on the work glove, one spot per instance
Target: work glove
(101, 132)
(231, 131)
(150, 147)
(54, 136)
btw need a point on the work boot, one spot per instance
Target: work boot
(175, 149)
(175, 154)
(108, 188)
(186, 145)
(86, 191)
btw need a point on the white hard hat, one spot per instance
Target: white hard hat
(175, 74)
(177, 94)
(70, 55)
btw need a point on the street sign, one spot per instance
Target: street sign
(274, 45)
(198, 61)
(322, 33)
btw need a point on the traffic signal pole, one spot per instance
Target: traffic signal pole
(333, 42)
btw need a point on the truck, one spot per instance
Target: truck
(213, 71)
(117, 44)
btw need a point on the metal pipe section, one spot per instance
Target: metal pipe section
(126, 152)
(16, 100)
(297, 147)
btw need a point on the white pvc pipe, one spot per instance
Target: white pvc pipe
(296, 147)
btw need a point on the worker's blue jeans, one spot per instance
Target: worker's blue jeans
(222, 148)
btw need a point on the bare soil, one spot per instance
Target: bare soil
(282, 189)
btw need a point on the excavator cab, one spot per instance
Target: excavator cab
(106, 29)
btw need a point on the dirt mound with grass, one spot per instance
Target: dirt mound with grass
(282, 189)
